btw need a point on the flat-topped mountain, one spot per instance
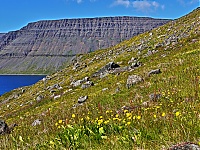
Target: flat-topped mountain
(1, 34)
(45, 46)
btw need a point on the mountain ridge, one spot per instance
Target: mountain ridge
(64, 38)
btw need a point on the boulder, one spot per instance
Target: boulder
(39, 98)
(82, 99)
(5, 129)
(87, 84)
(185, 146)
(156, 71)
(36, 122)
(106, 68)
(132, 80)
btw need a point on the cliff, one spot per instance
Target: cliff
(34, 47)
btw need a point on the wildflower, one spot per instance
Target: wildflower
(101, 130)
(100, 121)
(58, 127)
(51, 142)
(128, 123)
(73, 115)
(60, 121)
(56, 124)
(128, 115)
(125, 111)
(154, 116)
(116, 115)
(101, 117)
(20, 138)
(177, 113)
(88, 118)
(138, 117)
(163, 114)
(106, 122)
(107, 111)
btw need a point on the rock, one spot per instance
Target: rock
(39, 98)
(132, 80)
(76, 66)
(87, 84)
(5, 129)
(76, 83)
(57, 96)
(154, 96)
(136, 64)
(108, 67)
(82, 99)
(156, 71)
(104, 89)
(185, 146)
(55, 86)
(36, 122)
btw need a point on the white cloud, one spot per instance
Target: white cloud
(139, 5)
(125, 3)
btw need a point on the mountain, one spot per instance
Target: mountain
(1, 34)
(33, 48)
(143, 93)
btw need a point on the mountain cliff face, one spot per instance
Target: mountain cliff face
(1, 34)
(34, 47)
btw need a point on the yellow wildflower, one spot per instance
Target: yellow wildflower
(73, 115)
(60, 121)
(138, 117)
(128, 115)
(128, 123)
(163, 114)
(154, 116)
(116, 115)
(177, 113)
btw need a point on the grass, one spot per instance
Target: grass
(172, 119)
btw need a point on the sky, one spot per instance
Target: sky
(14, 14)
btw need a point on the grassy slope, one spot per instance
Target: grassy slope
(173, 118)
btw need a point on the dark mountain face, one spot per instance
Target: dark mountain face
(1, 34)
(44, 46)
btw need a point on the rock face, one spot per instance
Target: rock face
(40, 43)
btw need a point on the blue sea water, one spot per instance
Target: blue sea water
(10, 82)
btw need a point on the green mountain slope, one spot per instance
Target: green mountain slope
(154, 112)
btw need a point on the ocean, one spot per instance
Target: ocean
(10, 82)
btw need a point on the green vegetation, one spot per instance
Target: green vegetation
(97, 124)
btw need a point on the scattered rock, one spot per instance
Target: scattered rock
(39, 98)
(104, 89)
(5, 129)
(154, 96)
(82, 99)
(132, 80)
(36, 122)
(76, 83)
(87, 84)
(106, 68)
(156, 71)
(185, 146)
(57, 96)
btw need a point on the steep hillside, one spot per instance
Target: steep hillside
(33, 48)
(143, 93)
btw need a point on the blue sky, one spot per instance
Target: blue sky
(14, 14)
